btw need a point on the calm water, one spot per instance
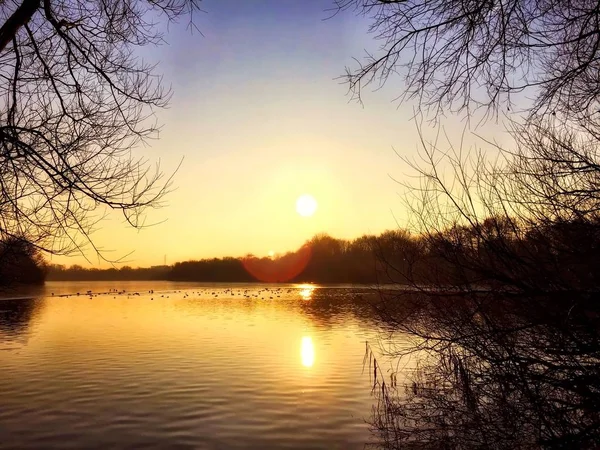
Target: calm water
(188, 366)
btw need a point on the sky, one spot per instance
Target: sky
(258, 118)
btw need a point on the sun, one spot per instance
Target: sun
(306, 205)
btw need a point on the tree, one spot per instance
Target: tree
(507, 332)
(20, 263)
(461, 55)
(76, 99)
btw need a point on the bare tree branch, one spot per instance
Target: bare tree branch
(77, 100)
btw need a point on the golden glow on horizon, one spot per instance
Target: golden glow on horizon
(264, 203)
(306, 205)
(235, 192)
(307, 351)
(271, 253)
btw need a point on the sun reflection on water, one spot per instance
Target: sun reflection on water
(307, 351)
(306, 291)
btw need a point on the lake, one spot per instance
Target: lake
(185, 365)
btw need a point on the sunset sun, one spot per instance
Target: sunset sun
(306, 205)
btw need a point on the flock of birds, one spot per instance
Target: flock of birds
(265, 293)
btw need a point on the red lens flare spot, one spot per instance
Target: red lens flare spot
(278, 270)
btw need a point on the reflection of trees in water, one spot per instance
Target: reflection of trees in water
(16, 317)
(495, 372)
(329, 306)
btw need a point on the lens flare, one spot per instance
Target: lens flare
(278, 269)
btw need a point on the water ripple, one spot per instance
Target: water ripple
(184, 366)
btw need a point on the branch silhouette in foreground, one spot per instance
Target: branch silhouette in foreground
(76, 101)
(505, 328)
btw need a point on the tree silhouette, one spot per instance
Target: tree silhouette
(459, 55)
(504, 301)
(322, 259)
(20, 263)
(76, 99)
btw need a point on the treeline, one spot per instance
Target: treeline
(323, 259)
(20, 263)
(495, 252)
(59, 272)
(533, 257)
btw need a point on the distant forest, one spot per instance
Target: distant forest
(323, 259)
(442, 258)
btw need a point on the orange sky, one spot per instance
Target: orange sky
(259, 119)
